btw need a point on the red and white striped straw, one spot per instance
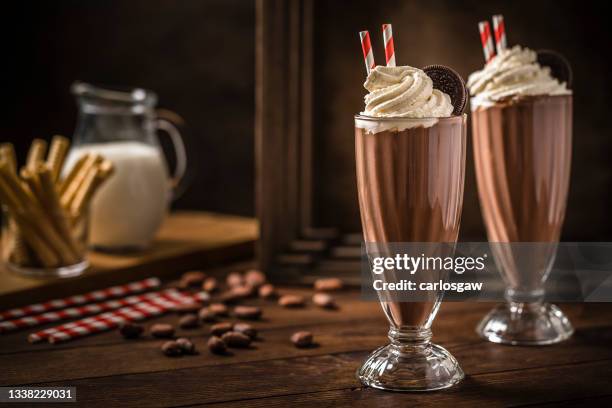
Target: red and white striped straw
(487, 41)
(389, 48)
(366, 46)
(500, 32)
(109, 320)
(81, 311)
(95, 296)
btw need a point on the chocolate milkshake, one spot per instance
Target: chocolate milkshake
(410, 184)
(522, 129)
(410, 159)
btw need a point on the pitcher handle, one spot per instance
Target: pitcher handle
(179, 151)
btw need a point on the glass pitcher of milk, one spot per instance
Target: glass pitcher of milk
(122, 126)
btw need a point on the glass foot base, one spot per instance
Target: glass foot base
(525, 324)
(397, 368)
(69, 271)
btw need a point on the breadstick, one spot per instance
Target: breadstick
(44, 253)
(72, 174)
(57, 155)
(36, 154)
(54, 208)
(71, 189)
(7, 153)
(96, 176)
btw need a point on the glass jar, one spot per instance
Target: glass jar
(37, 247)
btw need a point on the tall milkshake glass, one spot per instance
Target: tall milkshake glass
(410, 177)
(522, 130)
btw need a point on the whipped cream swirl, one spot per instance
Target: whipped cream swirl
(405, 92)
(511, 74)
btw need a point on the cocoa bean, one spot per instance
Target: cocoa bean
(172, 349)
(162, 330)
(267, 291)
(302, 339)
(245, 328)
(189, 321)
(324, 300)
(186, 345)
(328, 284)
(216, 345)
(292, 301)
(236, 339)
(131, 330)
(247, 312)
(221, 328)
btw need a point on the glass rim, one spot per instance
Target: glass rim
(125, 95)
(410, 120)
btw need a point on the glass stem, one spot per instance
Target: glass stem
(410, 339)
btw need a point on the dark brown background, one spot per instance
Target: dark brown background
(446, 32)
(198, 55)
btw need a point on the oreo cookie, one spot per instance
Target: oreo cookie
(559, 66)
(447, 80)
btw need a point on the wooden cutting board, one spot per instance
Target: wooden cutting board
(187, 240)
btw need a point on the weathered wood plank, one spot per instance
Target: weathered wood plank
(329, 379)
(456, 332)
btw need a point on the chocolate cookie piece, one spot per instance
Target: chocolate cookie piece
(450, 82)
(558, 64)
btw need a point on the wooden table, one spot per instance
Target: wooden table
(110, 371)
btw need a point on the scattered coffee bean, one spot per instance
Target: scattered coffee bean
(221, 328)
(236, 339)
(328, 284)
(183, 308)
(243, 291)
(206, 316)
(172, 349)
(189, 321)
(245, 328)
(216, 345)
(324, 300)
(186, 345)
(247, 312)
(202, 297)
(302, 339)
(254, 278)
(210, 285)
(267, 291)
(218, 309)
(162, 330)
(192, 278)
(230, 297)
(293, 301)
(131, 330)
(234, 279)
